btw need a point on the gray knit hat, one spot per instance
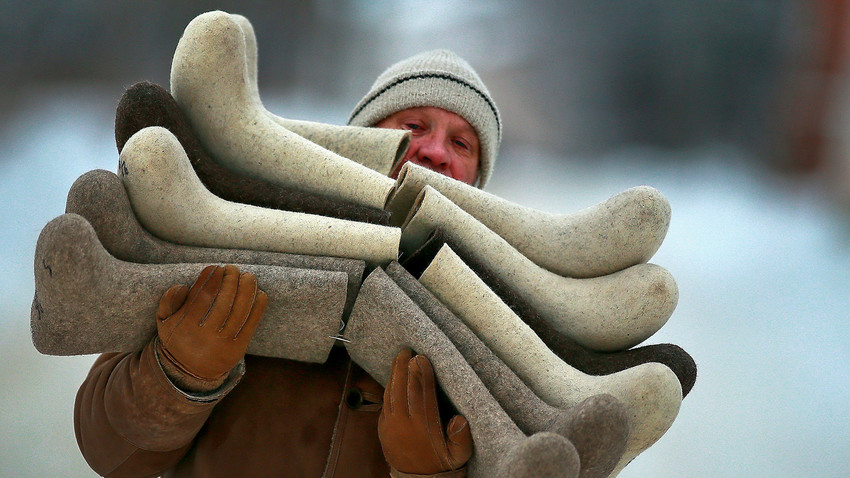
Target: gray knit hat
(442, 79)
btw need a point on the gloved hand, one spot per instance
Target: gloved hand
(204, 331)
(409, 427)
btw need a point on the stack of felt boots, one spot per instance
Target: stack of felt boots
(164, 217)
(529, 319)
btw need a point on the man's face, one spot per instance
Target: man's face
(439, 140)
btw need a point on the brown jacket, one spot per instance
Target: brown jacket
(282, 419)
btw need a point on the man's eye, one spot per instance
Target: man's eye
(412, 126)
(461, 144)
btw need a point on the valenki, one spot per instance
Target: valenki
(625, 230)
(384, 321)
(606, 313)
(170, 201)
(146, 104)
(211, 83)
(588, 361)
(598, 426)
(651, 391)
(376, 148)
(100, 198)
(86, 301)
(208, 176)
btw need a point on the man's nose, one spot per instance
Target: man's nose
(433, 151)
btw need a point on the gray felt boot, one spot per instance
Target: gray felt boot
(384, 320)
(86, 301)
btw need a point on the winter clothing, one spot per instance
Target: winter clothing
(442, 79)
(284, 418)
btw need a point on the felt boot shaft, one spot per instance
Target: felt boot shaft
(384, 320)
(598, 426)
(210, 81)
(146, 104)
(651, 391)
(376, 148)
(588, 361)
(101, 199)
(354, 142)
(625, 230)
(170, 201)
(607, 313)
(86, 301)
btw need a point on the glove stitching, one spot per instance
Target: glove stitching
(230, 307)
(185, 310)
(434, 446)
(248, 314)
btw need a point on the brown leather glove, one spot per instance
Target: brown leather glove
(409, 427)
(204, 331)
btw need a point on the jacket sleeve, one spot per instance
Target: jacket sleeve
(130, 420)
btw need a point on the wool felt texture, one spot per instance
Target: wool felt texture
(436, 78)
(147, 104)
(625, 230)
(376, 148)
(87, 301)
(650, 391)
(598, 426)
(384, 321)
(210, 82)
(173, 204)
(588, 361)
(607, 313)
(100, 198)
(367, 146)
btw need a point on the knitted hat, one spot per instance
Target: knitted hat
(441, 79)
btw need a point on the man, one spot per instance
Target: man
(455, 125)
(191, 403)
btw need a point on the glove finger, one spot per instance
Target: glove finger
(166, 329)
(202, 279)
(458, 441)
(224, 300)
(243, 303)
(247, 331)
(422, 391)
(422, 399)
(198, 305)
(395, 394)
(171, 301)
(245, 293)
